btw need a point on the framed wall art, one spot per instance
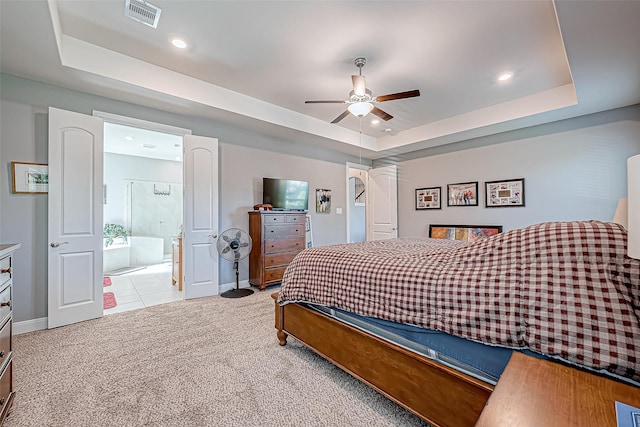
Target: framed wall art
(323, 200)
(29, 178)
(504, 194)
(428, 198)
(462, 194)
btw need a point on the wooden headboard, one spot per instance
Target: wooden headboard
(466, 233)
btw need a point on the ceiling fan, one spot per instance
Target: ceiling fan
(360, 102)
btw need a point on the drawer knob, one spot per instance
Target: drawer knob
(6, 270)
(5, 304)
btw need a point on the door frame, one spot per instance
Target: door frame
(147, 125)
(351, 169)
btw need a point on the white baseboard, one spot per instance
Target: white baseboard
(29, 326)
(227, 286)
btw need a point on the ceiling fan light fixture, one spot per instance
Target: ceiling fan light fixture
(360, 109)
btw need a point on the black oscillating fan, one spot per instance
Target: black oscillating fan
(234, 245)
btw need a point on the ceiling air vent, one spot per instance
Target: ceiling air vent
(143, 12)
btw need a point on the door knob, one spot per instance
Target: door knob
(213, 236)
(394, 229)
(56, 244)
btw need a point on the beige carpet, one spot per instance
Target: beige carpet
(205, 362)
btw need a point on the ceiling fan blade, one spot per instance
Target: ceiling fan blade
(226, 249)
(358, 85)
(382, 114)
(324, 102)
(400, 95)
(341, 116)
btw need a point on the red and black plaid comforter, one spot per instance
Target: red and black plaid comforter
(565, 289)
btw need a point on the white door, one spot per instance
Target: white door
(200, 231)
(75, 217)
(382, 203)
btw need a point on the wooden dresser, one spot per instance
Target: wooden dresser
(6, 295)
(277, 237)
(176, 262)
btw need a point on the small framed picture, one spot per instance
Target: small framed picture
(507, 193)
(428, 198)
(462, 194)
(323, 200)
(29, 178)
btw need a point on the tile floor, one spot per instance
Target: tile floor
(143, 288)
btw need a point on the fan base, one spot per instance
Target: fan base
(236, 293)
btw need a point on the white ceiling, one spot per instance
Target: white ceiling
(254, 63)
(135, 141)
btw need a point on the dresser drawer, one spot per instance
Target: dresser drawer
(283, 245)
(274, 274)
(5, 270)
(5, 304)
(283, 231)
(297, 219)
(274, 260)
(5, 385)
(5, 342)
(274, 219)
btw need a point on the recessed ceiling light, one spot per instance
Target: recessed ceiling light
(375, 121)
(178, 42)
(505, 76)
(129, 138)
(387, 130)
(149, 146)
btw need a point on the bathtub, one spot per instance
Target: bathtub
(137, 252)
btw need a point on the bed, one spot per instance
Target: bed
(562, 290)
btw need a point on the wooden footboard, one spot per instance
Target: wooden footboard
(436, 393)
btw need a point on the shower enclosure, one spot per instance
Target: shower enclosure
(154, 217)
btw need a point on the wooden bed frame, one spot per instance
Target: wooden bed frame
(434, 392)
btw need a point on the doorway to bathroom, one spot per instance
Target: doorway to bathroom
(143, 216)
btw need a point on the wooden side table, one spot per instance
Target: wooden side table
(535, 392)
(176, 262)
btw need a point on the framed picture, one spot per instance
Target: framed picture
(428, 198)
(507, 193)
(465, 233)
(29, 178)
(462, 194)
(323, 200)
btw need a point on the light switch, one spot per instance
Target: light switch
(338, 211)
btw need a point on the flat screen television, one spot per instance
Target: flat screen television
(285, 194)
